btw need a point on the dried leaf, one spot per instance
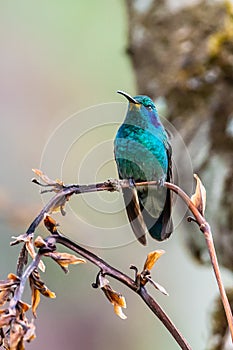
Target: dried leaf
(48, 293)
(118, 311)
(46, 179)
(27, 239)
(35, 300)
(24, 306)
(30, 334)
(102, 281)
(11, 281)
(20, 345)
(4, 296)
(36, 296)
(7, 287)
(38, 287)
(20, 239)
(30, 248)
(151, 259)
(199, 197)
(5, 343)
(116, 299)
(13, 277)
(31, 251)
(50, 224)
(158, 286)
(65, 259)
(5, 318)
(16, 336)
(39, 242)
(59, 204)
(60, 207)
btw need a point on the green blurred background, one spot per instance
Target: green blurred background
(56, 59)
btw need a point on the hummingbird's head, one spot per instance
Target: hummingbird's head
(144, 105)
(139, 100)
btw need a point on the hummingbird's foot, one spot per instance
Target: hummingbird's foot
(161, 182)
(131, 182)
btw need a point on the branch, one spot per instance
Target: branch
(196, 205)
(205, 228)
(116, 185)
(105, 269)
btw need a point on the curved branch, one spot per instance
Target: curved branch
(105, 269)
(130, 283)
(158, 311)
(205, 228)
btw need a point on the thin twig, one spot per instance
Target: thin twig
(214, 261)
(205, 228)
(158, 311)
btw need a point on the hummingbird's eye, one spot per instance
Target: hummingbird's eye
(149, 108)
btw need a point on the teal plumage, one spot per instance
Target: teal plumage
(143, 153)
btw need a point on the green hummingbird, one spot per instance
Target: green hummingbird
(143, 153)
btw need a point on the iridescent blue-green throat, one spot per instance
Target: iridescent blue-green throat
(143, 153)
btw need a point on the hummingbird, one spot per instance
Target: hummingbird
(143, 153)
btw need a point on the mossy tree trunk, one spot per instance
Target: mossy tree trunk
(185, 55)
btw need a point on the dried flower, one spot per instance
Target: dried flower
(39, 242)
(116, 299)
(65, 259)
(199, 197)
(151, 259)
(38, 287)
(20, 331)
(46, 179)
(30, 333)
(144, 277)
(50, 224)
(6, 317)
(28, 240)
(7, 287)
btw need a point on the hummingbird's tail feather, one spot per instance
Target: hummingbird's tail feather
(167, 223)
(134, 214)
(161, 228)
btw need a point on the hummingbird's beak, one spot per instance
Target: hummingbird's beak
(129, 98)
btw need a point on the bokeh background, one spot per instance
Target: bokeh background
(56, 60)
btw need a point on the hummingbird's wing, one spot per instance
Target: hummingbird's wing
(156, 206)
(166, 214)
(134, 214)
(165, 219)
